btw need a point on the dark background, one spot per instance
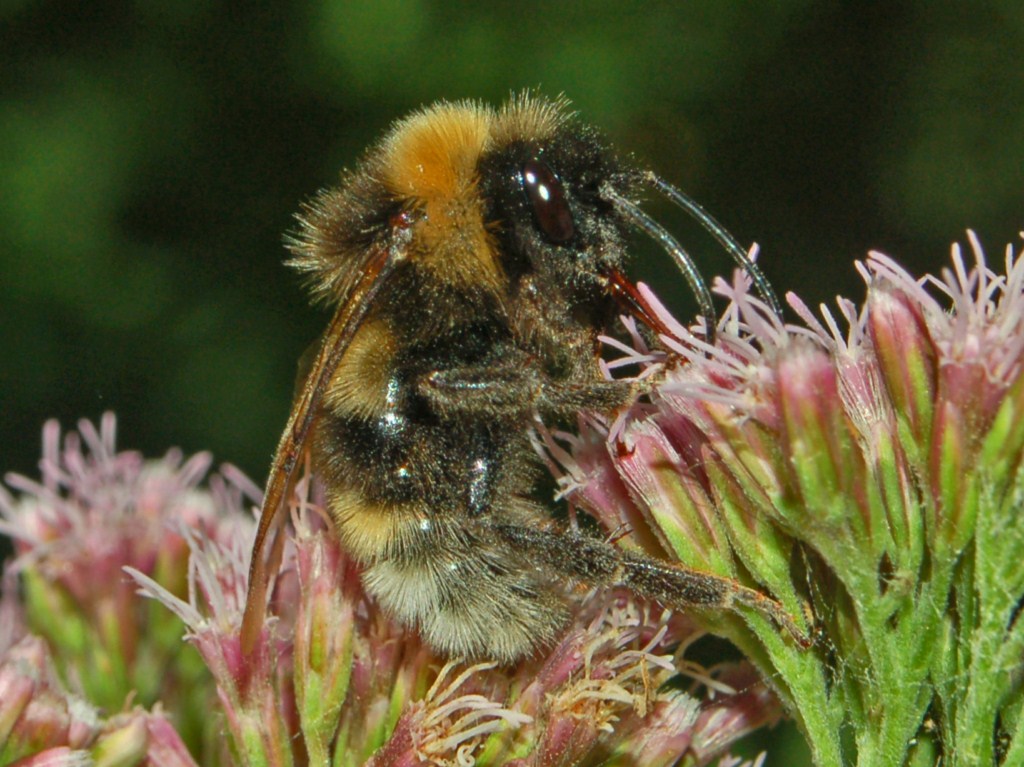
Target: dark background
(153, 153)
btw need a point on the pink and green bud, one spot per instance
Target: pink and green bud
(35, 711)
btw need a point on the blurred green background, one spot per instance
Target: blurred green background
(153, 153)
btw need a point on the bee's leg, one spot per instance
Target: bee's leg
(597, 563)
(515, 388)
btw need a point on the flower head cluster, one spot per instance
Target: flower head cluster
(870, 480)
(331, 679)
(81, 656)
(44, 725)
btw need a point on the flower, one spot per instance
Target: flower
(79, 642)
(41, 723)
(334, 679)
(865, 483)
(92, 672)
(870, 480)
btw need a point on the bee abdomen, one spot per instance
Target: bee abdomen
(371, 530)
(459, 591)
(466, 602)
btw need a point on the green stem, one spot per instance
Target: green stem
(805, 688)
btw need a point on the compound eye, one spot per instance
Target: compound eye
(547, 196)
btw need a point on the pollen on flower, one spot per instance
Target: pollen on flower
(447, 729)
(622, 668)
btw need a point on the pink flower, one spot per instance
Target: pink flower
(81, 642)
(331, 674)
(869, 480)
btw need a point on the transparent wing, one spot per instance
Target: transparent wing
(358, 296)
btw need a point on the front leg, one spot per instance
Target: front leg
(515, 387)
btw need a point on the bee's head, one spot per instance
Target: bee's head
(547, 203)
(560, 203)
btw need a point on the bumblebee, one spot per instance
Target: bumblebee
(473, 258)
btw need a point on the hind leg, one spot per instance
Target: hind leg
(597, 563)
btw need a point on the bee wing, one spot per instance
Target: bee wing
(374, 272)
